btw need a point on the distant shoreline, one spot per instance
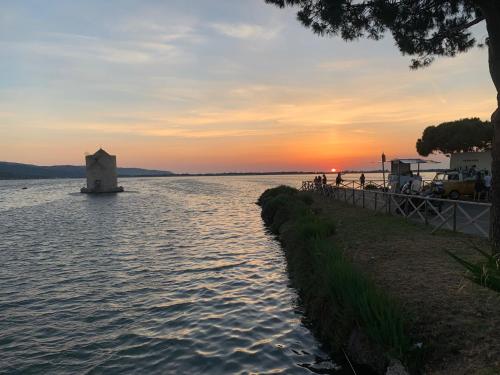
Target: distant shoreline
(17, 171)
(282, 173)
(226, 174)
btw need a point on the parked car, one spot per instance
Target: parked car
(454, 184)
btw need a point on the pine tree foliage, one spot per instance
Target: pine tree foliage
(465, 135)
(421, 28)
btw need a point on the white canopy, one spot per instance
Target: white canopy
(411, 161)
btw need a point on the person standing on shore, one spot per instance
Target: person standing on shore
(472, 171)
(338, 180)
(478, 186)
(362, 179)
(487, 184)
(324, 179)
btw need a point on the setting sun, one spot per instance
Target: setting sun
(334, 170)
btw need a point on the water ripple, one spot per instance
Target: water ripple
(178, 277)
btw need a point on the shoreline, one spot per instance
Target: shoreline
(451, 319)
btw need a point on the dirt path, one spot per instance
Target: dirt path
(457, 320)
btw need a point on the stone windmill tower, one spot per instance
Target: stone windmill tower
(101, 173)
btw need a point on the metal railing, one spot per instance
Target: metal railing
(457, 216)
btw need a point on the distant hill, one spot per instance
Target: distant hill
(18, 171)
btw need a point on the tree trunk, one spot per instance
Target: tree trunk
(491, 11)
(495, 184)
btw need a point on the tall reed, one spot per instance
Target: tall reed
(485, 272)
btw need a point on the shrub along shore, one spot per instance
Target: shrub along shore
(382, 289)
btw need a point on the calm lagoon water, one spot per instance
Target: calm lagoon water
(174, 276)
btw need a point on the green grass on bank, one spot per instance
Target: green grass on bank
(338, 297)
(485, 272)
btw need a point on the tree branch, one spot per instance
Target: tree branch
(470, 24)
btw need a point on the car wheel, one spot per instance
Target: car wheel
(454, 195)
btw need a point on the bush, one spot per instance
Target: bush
(314, 227)
(306, 197)
(282, 204)
(273, 192)
(271, 206)
(295, 208)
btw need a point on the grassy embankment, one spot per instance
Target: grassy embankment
(391, 280)
(339, 298)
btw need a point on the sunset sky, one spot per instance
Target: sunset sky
(215, 85)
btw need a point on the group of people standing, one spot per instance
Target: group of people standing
(482, 185)
(482, 181)
(322, 180)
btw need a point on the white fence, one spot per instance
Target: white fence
(458, 216)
